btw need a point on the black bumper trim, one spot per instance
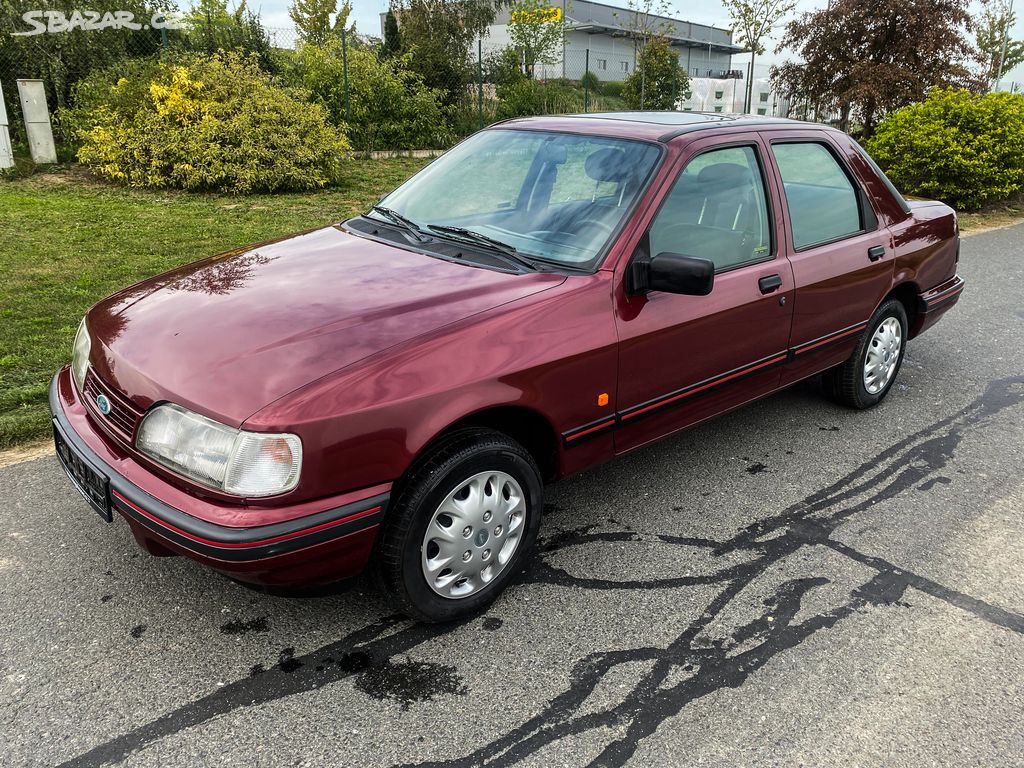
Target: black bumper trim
(210, 539)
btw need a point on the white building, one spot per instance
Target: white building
(601, 38)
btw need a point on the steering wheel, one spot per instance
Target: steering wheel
(604, 226)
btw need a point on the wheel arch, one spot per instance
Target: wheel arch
(525, 425)
(908, 294)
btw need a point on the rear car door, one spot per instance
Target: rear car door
(686, 358)
(842, 258)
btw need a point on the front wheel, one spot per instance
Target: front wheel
(866, 378)
(463, 524)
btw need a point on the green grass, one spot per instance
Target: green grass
(68, 241)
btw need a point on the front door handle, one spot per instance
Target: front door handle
(769, 283)
(876, 252)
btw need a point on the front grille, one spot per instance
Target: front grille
(123, 418)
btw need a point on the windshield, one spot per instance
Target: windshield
(553, 196)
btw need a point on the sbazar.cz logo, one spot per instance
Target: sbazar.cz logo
(55, 22)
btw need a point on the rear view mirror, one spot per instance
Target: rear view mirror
(677, 273)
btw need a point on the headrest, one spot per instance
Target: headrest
(724, 175)
(607, 165)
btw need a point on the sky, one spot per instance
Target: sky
(366, 15)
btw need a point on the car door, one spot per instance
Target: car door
(685, 358)
(842, 258)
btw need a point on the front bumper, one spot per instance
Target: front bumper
(302, 545)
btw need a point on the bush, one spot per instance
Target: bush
(658, 81)
(502, 67)
(216, 123)
(389, 106)
(962, 148)
(532, 97)
(612, 89)
(591, 82)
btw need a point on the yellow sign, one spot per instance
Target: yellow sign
(538, 16)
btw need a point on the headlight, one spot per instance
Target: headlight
(230, 460)
(80, 355)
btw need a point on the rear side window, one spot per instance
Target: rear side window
(822, 201)
(716, 210)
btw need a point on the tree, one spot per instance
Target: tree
(439, 35)
(313, 19)
(536, 31)
(865, 58)
(999, 53)
(646, 21)
(210, 26)
(753, 21)
(389, 107)
(657, 81)
(392, 45)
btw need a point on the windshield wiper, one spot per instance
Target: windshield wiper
(509, 251)
(407, 224)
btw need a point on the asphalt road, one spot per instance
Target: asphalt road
(792, 584)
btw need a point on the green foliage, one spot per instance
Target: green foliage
(211, 26)
(392, 44)
(503, 67)
(389, 106)
(591, 81)
(96, 92)
(317, 21)
(613, 89)
(440, 36)
(658, 81)
(212, 124)
(992, 32)
(531, 97)
(62, 59)
(956, 146)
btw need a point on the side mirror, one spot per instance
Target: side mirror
(676, 273)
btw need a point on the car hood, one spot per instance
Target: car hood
(230, 335)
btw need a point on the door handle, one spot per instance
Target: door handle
(876, 252)
(769, 283)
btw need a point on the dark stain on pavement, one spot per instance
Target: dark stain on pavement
(492, 623)
(408, 681)
(239, 627)
(686, 669)
(756, 468)
(137, 630)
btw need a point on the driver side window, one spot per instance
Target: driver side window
(716, 210)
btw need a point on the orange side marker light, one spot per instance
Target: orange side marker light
(602, 399)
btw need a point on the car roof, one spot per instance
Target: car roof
(658, 126)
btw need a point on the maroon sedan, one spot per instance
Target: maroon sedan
(553, 292)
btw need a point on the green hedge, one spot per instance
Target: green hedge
(959, 147)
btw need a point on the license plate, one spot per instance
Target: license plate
(90, 482)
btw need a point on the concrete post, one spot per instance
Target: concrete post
(37, 121)
(6, 153)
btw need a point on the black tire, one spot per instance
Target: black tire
(454, 459)
(845, 383)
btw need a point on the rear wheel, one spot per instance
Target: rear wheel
(866, 378)
(463, 524)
